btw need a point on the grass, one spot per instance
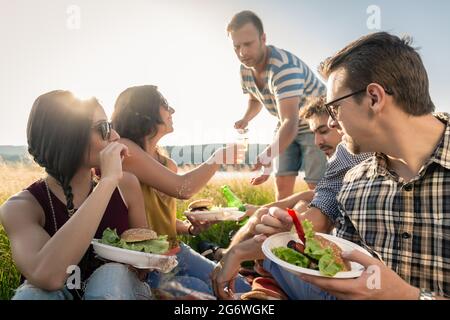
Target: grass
(16, 177)
(9, 275)
(220, 233)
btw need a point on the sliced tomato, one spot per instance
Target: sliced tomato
(173, 251)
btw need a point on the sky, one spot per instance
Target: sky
(99, 48)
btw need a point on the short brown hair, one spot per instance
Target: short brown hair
(314, 106)
(242, 18)
(389, 61)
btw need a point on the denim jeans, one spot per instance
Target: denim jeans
(295, 288)
(302, 154)
(112, 281)
(193, 272)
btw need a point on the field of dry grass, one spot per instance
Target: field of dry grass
(15, 177)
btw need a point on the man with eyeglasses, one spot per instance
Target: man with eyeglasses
(279, 81)
(396, 204)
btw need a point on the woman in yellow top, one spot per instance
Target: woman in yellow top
(142, 117)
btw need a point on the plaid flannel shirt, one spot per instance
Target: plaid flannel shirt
(407, 225)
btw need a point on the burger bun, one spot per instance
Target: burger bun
(204, 204)
(138, 234)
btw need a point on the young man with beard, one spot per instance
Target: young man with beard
(328, 140)
(279, 81)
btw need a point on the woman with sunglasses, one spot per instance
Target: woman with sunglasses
(142, 117)
(52, 223)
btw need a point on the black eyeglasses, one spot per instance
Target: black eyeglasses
(104, 128)
(332, 109)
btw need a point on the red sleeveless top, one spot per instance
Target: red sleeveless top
(115, 217)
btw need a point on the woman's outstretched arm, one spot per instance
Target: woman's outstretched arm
(181, 186)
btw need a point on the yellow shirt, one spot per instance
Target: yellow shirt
(161, 211)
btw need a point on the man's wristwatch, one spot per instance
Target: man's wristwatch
(426, 295)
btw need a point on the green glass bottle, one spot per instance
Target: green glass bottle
(232, 199)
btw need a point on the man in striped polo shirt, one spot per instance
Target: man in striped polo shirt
(280, 81)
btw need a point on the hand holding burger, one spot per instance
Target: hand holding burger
(197, 226)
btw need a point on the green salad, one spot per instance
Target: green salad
(317, 253)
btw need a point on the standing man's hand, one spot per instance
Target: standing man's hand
(256, 181)
(241, 124)
(263, 160)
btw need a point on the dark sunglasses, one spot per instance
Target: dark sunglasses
(166, 106)
(333, 109)
(163, 105)
(104, 128)
(169, 109)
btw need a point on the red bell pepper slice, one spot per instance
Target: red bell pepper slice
(298, 225)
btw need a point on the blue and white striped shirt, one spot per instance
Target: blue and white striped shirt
(286, 76)
(325, 195)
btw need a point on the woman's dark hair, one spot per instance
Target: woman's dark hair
(58, 134)
(136, 113)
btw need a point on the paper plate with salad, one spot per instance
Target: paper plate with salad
(139, 247)
(313, 253)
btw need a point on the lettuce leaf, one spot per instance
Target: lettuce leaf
(308, 229)
(314, 249)
(328, 266)
(158, 246)
(291, 256)
(110, 237)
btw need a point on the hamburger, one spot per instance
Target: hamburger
(200, 205)
(137, 239)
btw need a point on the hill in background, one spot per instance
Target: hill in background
(14, 154)
(184, 156)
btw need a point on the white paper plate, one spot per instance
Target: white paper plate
(282, 239)
(140, 260)
(220, 214)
